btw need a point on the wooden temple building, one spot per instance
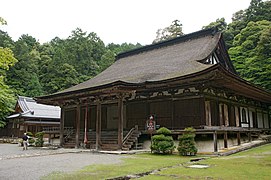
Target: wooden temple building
(188, 81)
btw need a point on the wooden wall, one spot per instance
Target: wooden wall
(162, 112)
(137, 114)
(176, 114)
(189, 112)
(70, 117)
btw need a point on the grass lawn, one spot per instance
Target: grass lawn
(251, 164)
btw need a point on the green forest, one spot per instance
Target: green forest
(29, 68)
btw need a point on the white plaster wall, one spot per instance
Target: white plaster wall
(250, 118)
(243, 124)
(266, 123)
(260, 119)
(55, 141)
(202, 146)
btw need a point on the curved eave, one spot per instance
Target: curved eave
(221, 78)
(243, 87)
(91, 89)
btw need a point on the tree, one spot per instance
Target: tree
(23, 77)
(60, 78)
(220, 24)
(6, 94)
(248, 42)
(170, 32)
(3, 21)
(162, 142)
(257, 11)
(39, 141)
(262, 61)
(7, 101)
(120, 48)
(83, 52)
(187, 145)
(251, 53)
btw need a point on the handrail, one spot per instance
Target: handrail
(128, 135)
(69, 133)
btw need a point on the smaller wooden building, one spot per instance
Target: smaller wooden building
(31, 116)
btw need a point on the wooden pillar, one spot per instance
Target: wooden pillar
(269, 117)
(26, 128)
(120, 126)
(237, 116)
(225, 139)
(248, 114)
(86, 126)
(98, 124)
(215, 141)
(221, 115)
(263, 118)
(148, 111)
(249, 136)
(226, 114)
(172, 113)
(208, 121)
(49, 138)
(238, 138)
(77, 133)
(37, 128)
(61, 137)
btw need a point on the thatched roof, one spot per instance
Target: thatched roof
(162, 61)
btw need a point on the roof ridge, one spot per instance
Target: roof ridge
(26, 98)
(169, 42)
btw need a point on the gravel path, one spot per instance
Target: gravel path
(16, 164)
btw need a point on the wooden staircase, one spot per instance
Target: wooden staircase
(109, 140)
(131, 140)
(69, 139)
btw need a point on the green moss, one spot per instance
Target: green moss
(251, 164)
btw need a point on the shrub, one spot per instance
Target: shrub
(187, 145)
(39, 141)
(161, 143)
(163, 130)
(29, 134)
(31, 140)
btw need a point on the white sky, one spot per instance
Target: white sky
(116, 21)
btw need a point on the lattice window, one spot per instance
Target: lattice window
(244, 116)
(213, 59)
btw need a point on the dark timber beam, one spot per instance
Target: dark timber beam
(225, 139)
(215, 141)
(120, 126)
(98, 124)
(86, 127)
(77, 133)
(61, 138)
(172, 113)
(249, 136)
(238, 138)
